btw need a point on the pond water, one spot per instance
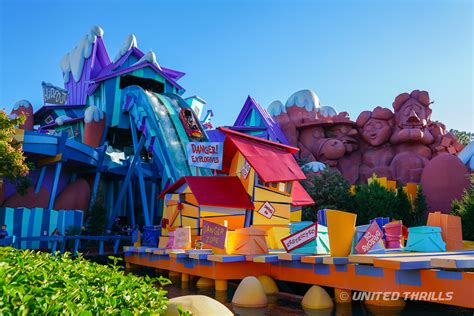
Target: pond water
(291, 304)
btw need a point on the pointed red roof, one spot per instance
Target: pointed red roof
(215, 191)
(299, 196)
(272, 161)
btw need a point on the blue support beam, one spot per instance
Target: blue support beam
(95, 185)
(57, 172)
(141, 181)
(128, 176)
(40, 179)
(152, 201)
(131, 207)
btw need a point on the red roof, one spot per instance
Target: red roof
(272, 161)
(215, 191)
(299, 196)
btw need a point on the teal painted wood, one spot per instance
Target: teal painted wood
(57, 172)
(39, 182)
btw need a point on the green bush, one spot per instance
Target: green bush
(464, 208)
(40, 284)
(329, 190)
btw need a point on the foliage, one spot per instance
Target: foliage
(329, 189)
(96, 219)
(40, 284)
(374, 200)
(13, 166)
(420, 208)
(463, 137)
(464, 208)
(404, 208)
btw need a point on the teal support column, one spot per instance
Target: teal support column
(57, 172)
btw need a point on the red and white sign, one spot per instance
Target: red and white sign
(245, 169)
(372, 236)
(300, 238)
(267, 210)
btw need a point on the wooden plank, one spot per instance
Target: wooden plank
(178, 255)
(199, 256)
(172, 251)
(290, 256)
(454, 262)
(335, 260)
(206, 251)
(226, 258)
(313, 259)
(369, 258)
(159, 251)
(265, 258)
(404, 263)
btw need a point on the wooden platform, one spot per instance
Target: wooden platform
(392, 272)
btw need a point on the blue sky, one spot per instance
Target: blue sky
(354, 54)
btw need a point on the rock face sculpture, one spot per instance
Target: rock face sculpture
(398, 145)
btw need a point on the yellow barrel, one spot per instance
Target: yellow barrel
(341, 228)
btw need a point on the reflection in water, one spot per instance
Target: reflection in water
(291, 305)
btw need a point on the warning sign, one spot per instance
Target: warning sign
(267, 210)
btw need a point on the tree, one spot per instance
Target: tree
(13, 166)
(404, 209)
(463, 137)
(420, 208)
(329, 189)
(464, 208)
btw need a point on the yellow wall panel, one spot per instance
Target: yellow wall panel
(275, 220)
(236, 165)
(281, 210)
(296, 216)
(191, 199)
(270, 196)
(188, 221)
(190, 210)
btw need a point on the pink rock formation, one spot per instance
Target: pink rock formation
(30, 199)
(402, 145)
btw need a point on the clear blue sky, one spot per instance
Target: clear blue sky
(353, 54)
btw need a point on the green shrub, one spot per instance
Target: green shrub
(40, 284)
(420, 208)
(329, 189)
(464, 208)
(374, 200)
(96, 219)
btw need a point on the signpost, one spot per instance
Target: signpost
(267, 210)
(245, 169)
(53, 94)
(372, 236)
(205, 154)
(300, 238)
(182, 238)
(213, 234)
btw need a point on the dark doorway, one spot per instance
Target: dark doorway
(146, 84)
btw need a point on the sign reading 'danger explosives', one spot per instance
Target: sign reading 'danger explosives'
(205, 154)
(213, 234)
(300, 238)
(267, 210)
(370, 238)
(53, 94)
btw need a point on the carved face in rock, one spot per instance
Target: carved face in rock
(412, 116)
(375, 127)
(346, 134)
